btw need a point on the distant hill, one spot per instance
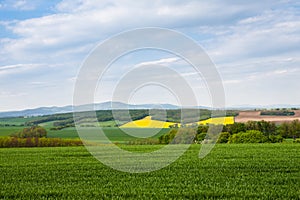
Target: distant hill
(98, 106)
(119, 105)
(252, 107)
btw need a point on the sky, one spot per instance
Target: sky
(255, 46)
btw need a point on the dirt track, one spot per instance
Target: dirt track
(245, 116)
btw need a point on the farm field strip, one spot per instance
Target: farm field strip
(217, 120)
(114, 134)
(147, 122)
(246, 171)
(245, 116)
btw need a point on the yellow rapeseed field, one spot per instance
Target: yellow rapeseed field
(147, 122)
(217, 120)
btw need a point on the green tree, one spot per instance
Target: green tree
(224, 137)
(250, 136)
(32, 132)
(234, 128)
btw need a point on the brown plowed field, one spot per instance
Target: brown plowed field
(245, 116)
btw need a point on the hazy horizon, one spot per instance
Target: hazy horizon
(232, 106)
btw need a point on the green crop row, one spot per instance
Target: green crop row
(231, 171)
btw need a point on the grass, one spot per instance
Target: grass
(18, 120)
(6, 131)
(47, 125)
(247, 171)
(13, 120)
(114, 134)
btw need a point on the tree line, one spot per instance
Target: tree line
(249, 132)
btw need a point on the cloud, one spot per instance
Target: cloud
(162, 62)
(272, 33)
(18, 68)
(248, 40)
(12, 94)
(21, 5)
(79, 23)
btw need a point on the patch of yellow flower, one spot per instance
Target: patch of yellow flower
(217, 120)
(147, 122)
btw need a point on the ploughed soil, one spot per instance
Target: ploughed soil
(245, 116)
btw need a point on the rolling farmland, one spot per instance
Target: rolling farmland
(147, 122)
(245, 116)
(246, 171)
(230, 171)
(217, 120)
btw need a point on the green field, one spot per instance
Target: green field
(114, 134)
(13, 120)
(246, 171)
(6, 131)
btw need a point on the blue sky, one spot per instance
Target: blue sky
(255, 46)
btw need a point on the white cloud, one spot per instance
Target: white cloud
(80, 23)
(272, 33)
(4, 94)
(248, 40)
(18, 68)
(23, 5)
(162, 62)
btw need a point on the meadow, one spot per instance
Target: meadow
(230, 171)
(7, 130)
(114, 134)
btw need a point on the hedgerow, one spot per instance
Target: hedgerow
(6, 142)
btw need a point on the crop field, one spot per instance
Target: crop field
(246, 171)
(147, 122)
(13, 120)
(114, 134)
(5, 131)
(245, 116)
(218, 120)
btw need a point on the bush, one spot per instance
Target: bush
(224, 137)
(290, 129)
(38, 142)
(297, 141)
(167, 138)
(179, 136)
(275, 139)
(200, 137)
(145, 141)
(278, 113)
(32, 132)
(251, 136)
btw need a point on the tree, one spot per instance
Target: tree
(202, 129)
(295, 128)
(284, 130)
(251, 136)
(32, 132)
(224, 137)
(178, 136)
(267, 128)
(234, 128)
(290, 129)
